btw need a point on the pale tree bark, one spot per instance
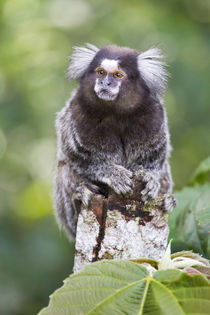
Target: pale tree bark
(119, 228)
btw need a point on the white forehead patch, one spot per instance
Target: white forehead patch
(110, 65)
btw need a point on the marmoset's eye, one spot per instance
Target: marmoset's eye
(101, 72)
(118, 75)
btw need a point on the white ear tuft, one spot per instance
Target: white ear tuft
(80, 60)
(153, 70)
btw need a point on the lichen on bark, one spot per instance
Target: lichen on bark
(121, 228)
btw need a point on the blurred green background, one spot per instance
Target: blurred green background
(35, 39)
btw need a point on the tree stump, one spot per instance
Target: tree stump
(121, 228)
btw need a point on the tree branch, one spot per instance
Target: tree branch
(121, 228)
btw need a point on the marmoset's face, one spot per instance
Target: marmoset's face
(109, 77)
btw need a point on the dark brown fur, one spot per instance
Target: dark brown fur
(102, 144)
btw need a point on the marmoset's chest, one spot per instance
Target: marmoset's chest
(122, 140)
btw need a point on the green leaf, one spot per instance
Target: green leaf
(202, 208)
(200, 174)
(124, 287)
(185, 197)
(150, 261)
(188, 230)
(83, 291)
(189, 224)
(203, 215)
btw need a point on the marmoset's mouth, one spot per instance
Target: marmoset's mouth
(106, 95)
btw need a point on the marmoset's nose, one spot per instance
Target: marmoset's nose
(106, 82)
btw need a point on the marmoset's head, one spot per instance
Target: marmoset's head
(118, 75)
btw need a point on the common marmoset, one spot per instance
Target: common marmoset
(113, 127)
